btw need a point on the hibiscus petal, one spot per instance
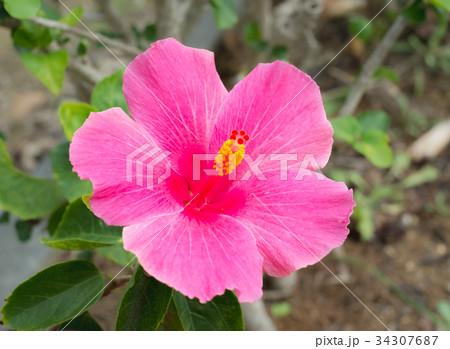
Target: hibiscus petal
(175, 92)
(281, 109)
(297, 221)
(199, 255)
(101, 151)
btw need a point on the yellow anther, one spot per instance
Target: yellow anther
(229, 157)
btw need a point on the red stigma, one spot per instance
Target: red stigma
(233, 137)
(242, 132)
(234, 132)
(246, 138)
(240, 141)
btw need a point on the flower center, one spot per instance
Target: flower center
(228, 158)
(231, 153)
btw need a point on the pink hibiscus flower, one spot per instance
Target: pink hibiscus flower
(201, 232)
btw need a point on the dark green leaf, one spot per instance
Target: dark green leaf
(150, 33)
(22, 9)
(23, 230)
(72, 116)
(83, 322)
(253, 37)
(416, 12)
(55, 218)
(373, 120)
(374, 145)
(172, 320)
(25, 196)
(279, 52)
(116, 254)
(86, 254)
(222, 313)
(144, 303)
(71, 185)
(361, 27)
(79, 229)
(225, 13)
(52, 296)
(4, 218)
(49, 68)
(30, 35)
(346, 128)
(252, 33)
(108, 93)
(83, 47)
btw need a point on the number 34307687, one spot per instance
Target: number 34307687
(406, 340)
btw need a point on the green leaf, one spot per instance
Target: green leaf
(362, 27)
(374, 145)
(22, 9)
(373, 120)
(144, 303)
(55, 218)
(25, 196)
(279, 52)
(23, 230)
(424, 175)
(445, 4)
(31, 35)
(386, 73)
(443, 308)
(416, 12)
(79, 229)
(346, 128)
(363, 214)
(49, 68)
(116, 254)
(108, 93)
(281, 309)
(83, 322)
(222, 313)
(71, 185)
(73, 17)
(72, 116)
(225, 13)
(4, 218)
(52, 296)
(171, 321)
(85, 198)
(83, 47)
(150, 33)
(253, 37)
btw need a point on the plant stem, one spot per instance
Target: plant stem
(375, 60)
(131, 50)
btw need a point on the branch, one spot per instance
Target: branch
(131, 50)
(375, 60)
(114, 20)
(168, 21)
(85, 71)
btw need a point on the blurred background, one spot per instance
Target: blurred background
(386, 88)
